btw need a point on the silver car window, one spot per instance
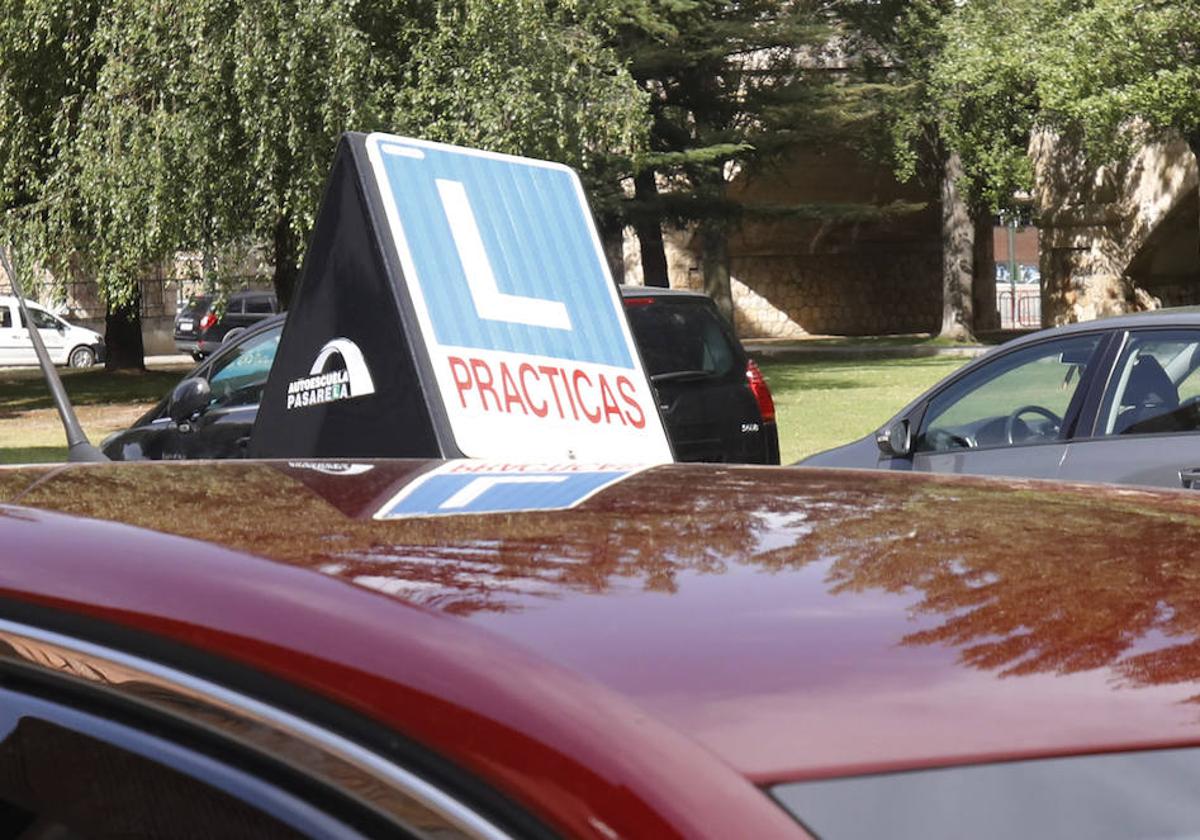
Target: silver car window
(1155, 386)
(1021, 397)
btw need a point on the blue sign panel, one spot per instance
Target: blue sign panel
(504, 252)
(450, 491)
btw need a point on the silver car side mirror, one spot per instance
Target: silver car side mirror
(895, 440)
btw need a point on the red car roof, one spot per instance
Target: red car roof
(785, 624)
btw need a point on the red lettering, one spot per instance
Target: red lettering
(609, 402)
(484, 385)
(456, 365)
(622, 384)
(595, 418)
(511, 395)
(524, 370)
(567, 388)
(550, 372)
(470, 468)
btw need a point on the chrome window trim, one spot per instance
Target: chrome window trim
(376, 782)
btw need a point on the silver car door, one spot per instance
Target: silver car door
(1010, 416)
(1147, 426)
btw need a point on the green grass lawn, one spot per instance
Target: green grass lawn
(820, 404)
(30, 431)
(22, 389)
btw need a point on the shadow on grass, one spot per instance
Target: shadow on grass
(917, 340)
(33, 454)
(24, 390)
(847, 375)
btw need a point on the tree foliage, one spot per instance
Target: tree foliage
(985, 85)
(1111, 73)
(521, 77)
(1123, 69)
(133, 131)
(731, 85)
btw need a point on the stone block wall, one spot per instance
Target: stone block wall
(1115, 239)
(795, 274)
(786, 296)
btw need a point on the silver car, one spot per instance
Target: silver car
(1115, 400)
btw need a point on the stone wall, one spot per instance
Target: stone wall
(791, 296)
(794, 275)
(1119, 238)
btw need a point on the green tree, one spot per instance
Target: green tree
(49, 69)
(185, 126)
(1116, 73)
(209, 125)
(730, 87)
(983, 84)
(903, 45)
(1105, 74)
(522, 77)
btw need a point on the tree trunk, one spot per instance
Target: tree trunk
(612, 237)
(286, 254)
(714, 258)
(1193, 141)
(958, 246)
(649, 231)
(983, 289)
(123, 336)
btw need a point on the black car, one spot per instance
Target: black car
(209, 414)
(202, 326)
(715, 403)
(714, 400)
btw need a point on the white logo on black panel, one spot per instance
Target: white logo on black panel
(352, 379)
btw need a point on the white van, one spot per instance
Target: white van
(66, 343)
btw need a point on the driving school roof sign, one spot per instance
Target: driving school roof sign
(508, 336)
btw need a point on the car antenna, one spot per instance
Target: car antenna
(79, 448)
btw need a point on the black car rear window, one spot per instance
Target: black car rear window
(681, 337)
(195, 306)
(259, 306)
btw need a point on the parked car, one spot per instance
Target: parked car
(713, 398)
(201, 327)
(66, 343)
(1116, 400)
(219, 425)
(715, 402)
(272, 649)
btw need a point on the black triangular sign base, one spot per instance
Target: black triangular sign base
(347, 377)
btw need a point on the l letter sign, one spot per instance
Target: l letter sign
(523, 325)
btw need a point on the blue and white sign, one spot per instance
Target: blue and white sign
(532, 354)
(470, 487)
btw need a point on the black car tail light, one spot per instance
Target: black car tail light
(207, 321)
(762, 393)
(638, 301)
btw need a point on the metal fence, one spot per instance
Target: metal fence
(1020, 306)
(161, 297)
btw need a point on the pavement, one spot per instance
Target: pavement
(175, 360)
